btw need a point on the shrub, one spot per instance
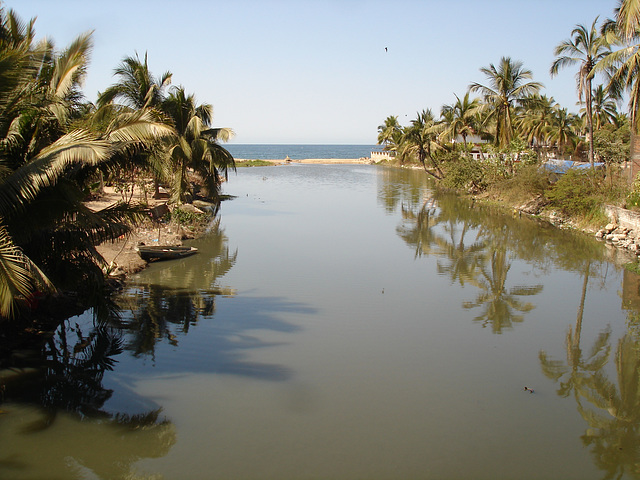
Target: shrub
(577, 192)
(528, 181)
(464, 173)
(184, 217)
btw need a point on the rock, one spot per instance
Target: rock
(610, 227)
(188, 207)
(534, 206)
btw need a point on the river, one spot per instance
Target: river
(346, 322)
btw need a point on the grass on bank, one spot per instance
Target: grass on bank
(253, 163)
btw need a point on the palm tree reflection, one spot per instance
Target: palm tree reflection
(611, 409)
(499, 303)
(442, 227)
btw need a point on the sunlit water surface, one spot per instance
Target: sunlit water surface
(346, 322)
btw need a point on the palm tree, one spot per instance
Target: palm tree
(137, 87)
(586, 48)
(508, 86)
(605, 109)
(623, 65)
(627, 21)
(562, 131)
(47, 237)
(196, 146)
(463, 118)
(420, 141)
(390, 133)
(536, 121)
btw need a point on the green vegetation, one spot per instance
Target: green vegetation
(186, 217)
(56, 148)
(496, 145)
(253, 163)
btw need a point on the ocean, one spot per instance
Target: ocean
(298, 152)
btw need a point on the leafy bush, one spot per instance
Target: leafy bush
(611, 144)
(577, 192)
(528, 181)
(184, 217)
(464, 173)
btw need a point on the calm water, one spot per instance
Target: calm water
(299, 152)
(345, 322)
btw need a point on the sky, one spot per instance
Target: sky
(319, 71)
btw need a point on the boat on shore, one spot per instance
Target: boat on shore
(164, 252)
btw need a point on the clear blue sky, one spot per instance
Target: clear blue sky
(313, 71)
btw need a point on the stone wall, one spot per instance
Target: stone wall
(623, 231)
(623, 217)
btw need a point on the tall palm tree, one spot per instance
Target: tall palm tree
(47, 237)
(585, 48)
(137, 87)
(508, 85)
(463, 118)
(536, 120)
(389, 134)
(605, 109)
(622, 65)
(196, 146)
(420, 141)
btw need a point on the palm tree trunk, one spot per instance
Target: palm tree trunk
(590, 123)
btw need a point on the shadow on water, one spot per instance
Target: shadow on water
(158, 317)
(65, 381)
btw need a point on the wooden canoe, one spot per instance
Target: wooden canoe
(162, 252)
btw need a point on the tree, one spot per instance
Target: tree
(586, 48)
(562, 131)
(623, 65)
(420, 140)
(605, 109)
(390, 133)
(196, 145)
(47, 236)
(461, 118)
(508, 86)
(137, 87)
(537, 120)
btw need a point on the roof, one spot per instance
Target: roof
(561, 166)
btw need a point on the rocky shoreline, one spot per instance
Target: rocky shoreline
(620, 237)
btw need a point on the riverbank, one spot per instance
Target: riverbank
(121, 256)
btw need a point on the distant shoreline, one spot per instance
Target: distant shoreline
(332, 161)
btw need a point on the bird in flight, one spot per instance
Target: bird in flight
(385, 49)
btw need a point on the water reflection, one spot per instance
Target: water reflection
(610, 408)
(43, 395)
(471, 248)
(500, 305)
